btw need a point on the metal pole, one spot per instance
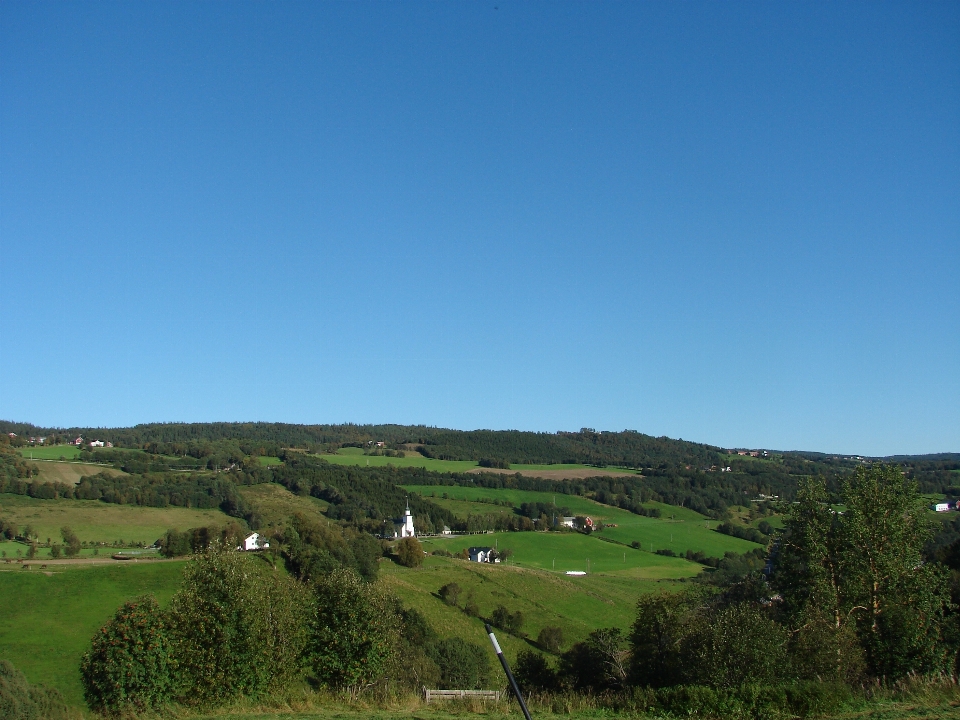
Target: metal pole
(506, 669)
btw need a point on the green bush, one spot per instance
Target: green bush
(410, 552)
(355, 631)
(129, 663)
(463, 665)
(238, 628)
(19, 700)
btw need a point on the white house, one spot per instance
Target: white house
(568, 522)
(941, 507)
(482, 554)
(253, 541)
(96, 443)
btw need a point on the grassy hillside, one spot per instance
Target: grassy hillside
(95, 521)
(70, 473)
(578, 605)
(275, 504)
(563, 551)
(677, 529)
(49, 618)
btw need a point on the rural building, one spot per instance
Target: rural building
(446, 531)
(482, 554)
(942, 507)
(404, 527)
(568, 522)
(78, 441)
(253, 541)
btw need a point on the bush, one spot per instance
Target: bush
(512, 622)
(129, 664)
(71, 541)
(410, 552)
(19, 700)
(463, 665)
(355, 632)
(550, 639)
(533, 673)
(450, 593)
(238, 628)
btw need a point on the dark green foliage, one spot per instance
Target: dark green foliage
(19, 700)
(533, 673)
(237, 628)
(512, 622)
(744, 533)
(463, 665)
(550, 639)
(864, 571)
(8, 531)
(354, 632)
(410, 552)
(71, 541)
(493, 463)
(450, 593)
(129, 664)
(313, 548)
(599, 663)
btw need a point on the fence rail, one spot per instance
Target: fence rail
(430, 695)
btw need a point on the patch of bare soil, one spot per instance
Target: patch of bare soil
(567, 474)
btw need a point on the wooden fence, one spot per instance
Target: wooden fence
(431, 695)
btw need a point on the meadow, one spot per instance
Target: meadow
(678, 529)
(355, 456)
(275, 504)
(95, 521)
(50, 452)
(49, 617)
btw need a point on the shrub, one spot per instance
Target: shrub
(450, 593)
(355, 631)
(463, 665)
(502, 618)
(410, 552)
(129, 664)
(550, 639)
(533, 673)
(19, 700)
(238, 628)
(71, 541)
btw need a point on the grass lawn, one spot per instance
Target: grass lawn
(50, 452)
(267, 460)
(95, 521)
(49, 618)
(678, 529)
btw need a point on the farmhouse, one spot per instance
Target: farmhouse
(253, 541)
(568, 522)
(942, 507)
(483, 554)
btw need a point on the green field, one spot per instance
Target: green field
(678, 529)
(95, 521)
(49, 618)
(275, 504)
(578, 605)
(69, 473)
(355, 456)
(50, 452)
(267, 460)
(562, 551)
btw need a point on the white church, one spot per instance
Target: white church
(404, 528)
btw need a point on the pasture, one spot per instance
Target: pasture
(559, 552)
(275, 504)
(355, 456)
(50, 452)
(69, 473)
(95, 521)
(577, 605)
(48, 618)
(678, 529)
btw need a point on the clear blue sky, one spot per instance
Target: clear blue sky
(736, 223)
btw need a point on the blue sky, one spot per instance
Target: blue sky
(736, 223)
